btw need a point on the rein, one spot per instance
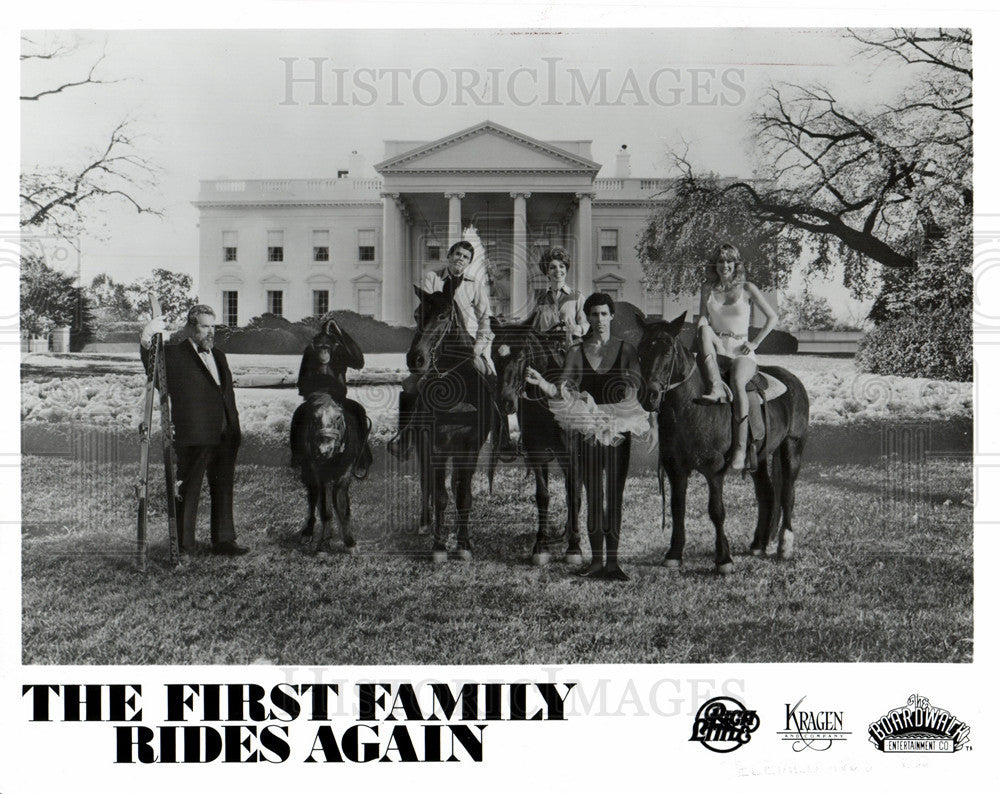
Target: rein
(679, 354)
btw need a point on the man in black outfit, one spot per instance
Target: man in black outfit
(206, 426)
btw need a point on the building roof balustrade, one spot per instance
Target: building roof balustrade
(249, 191)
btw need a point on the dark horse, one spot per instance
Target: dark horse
(515, 348)
(695, 437)
(455, 413)
(326, 442)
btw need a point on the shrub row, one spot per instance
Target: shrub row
(937, 346)
(276, 335)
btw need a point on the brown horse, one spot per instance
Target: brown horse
(695, 437)
(515, 348)
(455, 413)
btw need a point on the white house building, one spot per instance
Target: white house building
(302, 247)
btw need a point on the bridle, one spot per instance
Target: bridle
(434, 350)
(534, 351)
(679, 355)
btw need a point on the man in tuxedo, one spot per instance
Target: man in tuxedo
(206, 426)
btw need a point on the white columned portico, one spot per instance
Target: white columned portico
(519, 261)
(454, 217)
(585, 243)
(393, 267)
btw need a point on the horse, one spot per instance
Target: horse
(326, 443)
(455, 413)
(695, 437)
(515, 348)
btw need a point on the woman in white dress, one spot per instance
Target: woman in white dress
(723, 330)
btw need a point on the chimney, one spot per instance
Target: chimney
(622, 168)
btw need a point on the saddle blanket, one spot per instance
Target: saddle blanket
(767, 386)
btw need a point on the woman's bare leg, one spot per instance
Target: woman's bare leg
(716, 390)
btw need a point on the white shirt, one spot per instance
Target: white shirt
(208, 361)
(472, 300)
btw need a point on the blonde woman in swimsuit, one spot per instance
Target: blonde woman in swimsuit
(723, 330)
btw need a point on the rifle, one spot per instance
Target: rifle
(156, 378)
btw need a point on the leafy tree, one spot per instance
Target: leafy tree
(172, 290)
(860, 185)
(111, 299)
(50, 298)
(807, 312)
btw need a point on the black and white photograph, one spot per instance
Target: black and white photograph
(609, 355)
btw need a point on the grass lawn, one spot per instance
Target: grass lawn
(883, 573)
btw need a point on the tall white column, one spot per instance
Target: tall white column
(393, 268)
(519, 307)
(585, 244)
(405, 308)
(454, 217)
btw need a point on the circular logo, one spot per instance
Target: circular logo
(723, 724)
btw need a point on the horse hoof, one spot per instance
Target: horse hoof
(756, 552)
(465, 555)
(424, 529)
(439, 556)
(574, 558)
(725, 569)
(352, 549)
(671, 564)
(540, 558)
(786, 551)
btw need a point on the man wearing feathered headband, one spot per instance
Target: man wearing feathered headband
(464, 280)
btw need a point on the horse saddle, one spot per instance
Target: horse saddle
(767, 387)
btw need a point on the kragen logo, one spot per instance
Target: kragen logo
(812, 730)
(723, 724)
(918, 727)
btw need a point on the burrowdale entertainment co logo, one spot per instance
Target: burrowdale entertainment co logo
(723, 724)
(812, 730)
(918, 727)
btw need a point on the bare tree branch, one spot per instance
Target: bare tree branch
(881, 182)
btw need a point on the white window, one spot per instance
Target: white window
(275, 246)
(321, 301)
(366, 301)
(275, 299)
(321, 246)
(229, 246)
(230, 308)
(366, 245)
(609, 245)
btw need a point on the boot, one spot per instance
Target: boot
(737, 458)
(718, 391)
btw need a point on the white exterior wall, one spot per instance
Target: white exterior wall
(298, 275)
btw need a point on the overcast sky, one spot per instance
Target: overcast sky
(208, 104)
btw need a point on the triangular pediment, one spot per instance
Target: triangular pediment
(486, 147)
